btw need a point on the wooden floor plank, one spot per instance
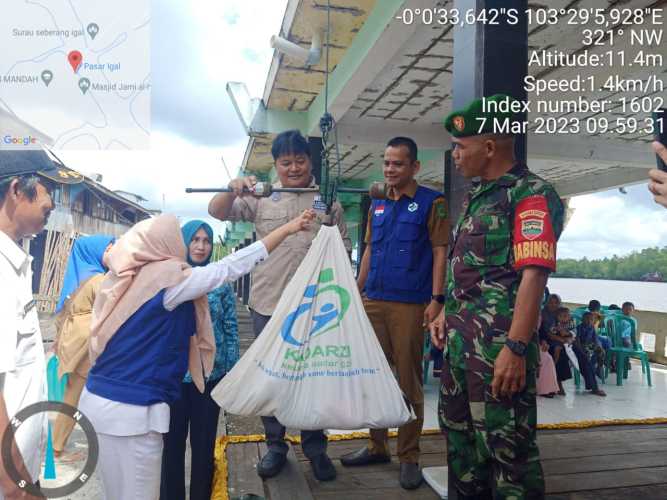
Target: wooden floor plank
(600, 463)
(352, 480)
(576, 446)
(423, 493)
(655, 492)
(601, 433)
(595, 464)
(560, 483)
(429, 444)
(243, 476)
(290, 484)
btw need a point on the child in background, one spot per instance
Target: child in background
(626, 329)
(594, 307)
(561, 333)
(558, 335)
(588, 341)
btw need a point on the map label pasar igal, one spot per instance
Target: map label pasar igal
(111, 67)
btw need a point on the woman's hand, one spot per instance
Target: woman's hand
(302, 222)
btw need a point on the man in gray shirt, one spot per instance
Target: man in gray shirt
(293, 166)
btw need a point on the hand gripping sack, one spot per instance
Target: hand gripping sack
(317, 363)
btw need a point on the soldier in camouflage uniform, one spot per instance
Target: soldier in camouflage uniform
(502, 250)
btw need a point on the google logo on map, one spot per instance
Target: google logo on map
(25, 141)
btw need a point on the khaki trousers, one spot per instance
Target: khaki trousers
(64, 424)
(399, 329)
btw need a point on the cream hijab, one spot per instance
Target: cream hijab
(147, 259)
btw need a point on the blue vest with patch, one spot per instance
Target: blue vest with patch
(401, 267)
(146, 359)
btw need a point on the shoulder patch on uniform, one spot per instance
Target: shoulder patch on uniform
(534, 239)
(441, 209)
(532, 223)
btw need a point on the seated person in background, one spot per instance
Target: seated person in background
(561, 333)
(626, 328)
(547, 379)
(555, 338)
(588, 340)
(598, 318)
(548, 314)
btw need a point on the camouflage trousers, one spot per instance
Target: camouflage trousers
(491, 446)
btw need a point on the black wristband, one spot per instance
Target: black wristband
(440, 299)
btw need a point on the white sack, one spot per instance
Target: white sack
(318, 363)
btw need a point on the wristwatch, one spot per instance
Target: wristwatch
(440, 299)
(517, 347)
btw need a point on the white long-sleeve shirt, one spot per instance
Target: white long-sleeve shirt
(22, 362)
(123, 419)
(207, 278)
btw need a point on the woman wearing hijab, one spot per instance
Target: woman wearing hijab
(83, 277)
(151, 323)
(195, 411)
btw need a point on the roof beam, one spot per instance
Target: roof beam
(568, 147)
(540, 146)
(596, 182)
(373, 131)
(257, 119)
(376, 44)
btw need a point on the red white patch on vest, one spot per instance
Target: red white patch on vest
(379, 210)
(532, 224)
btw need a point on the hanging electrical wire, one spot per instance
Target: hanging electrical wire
(328, 186)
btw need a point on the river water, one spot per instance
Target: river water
(644, 295)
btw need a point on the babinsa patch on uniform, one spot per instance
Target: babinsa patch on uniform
(318, 204)
(532, 224)
(534, 238)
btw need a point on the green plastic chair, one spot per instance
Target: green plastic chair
(623, 354)
(577, 314)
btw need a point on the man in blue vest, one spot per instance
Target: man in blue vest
(402, 274)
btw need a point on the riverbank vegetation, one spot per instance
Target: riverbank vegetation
(638, 266)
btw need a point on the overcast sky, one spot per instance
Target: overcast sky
(197, 47)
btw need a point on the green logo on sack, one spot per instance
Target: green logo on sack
(328, 317)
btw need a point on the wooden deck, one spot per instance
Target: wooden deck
(603, 463)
